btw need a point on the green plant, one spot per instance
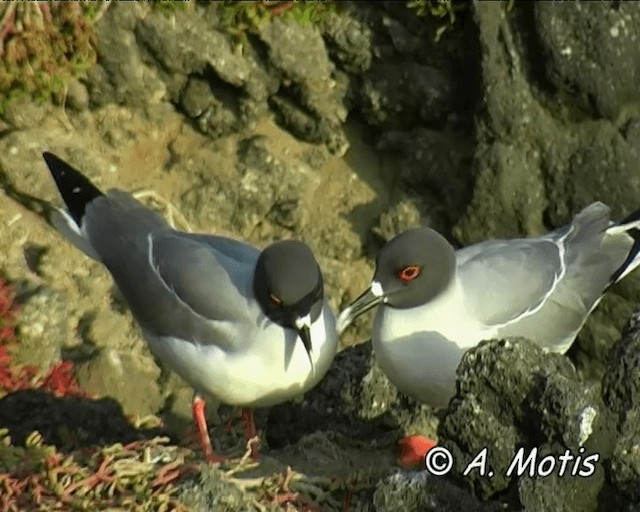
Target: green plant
(171, 6)
(238, 18)
(43, 45)
(444, 10)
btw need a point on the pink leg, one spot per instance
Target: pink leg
(250, 431)
(200, 421)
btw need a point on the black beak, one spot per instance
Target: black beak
(362, 304)
(304, 331)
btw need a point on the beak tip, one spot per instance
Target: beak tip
(313, 366)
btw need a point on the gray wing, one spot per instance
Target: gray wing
(502, 280)
(227, 247)
(563, 274)
(211, 275)
(176, 284)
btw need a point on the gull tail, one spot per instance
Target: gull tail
(631, 226)
(77, 192)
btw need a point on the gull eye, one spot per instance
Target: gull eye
(408, 274)
(275, 300)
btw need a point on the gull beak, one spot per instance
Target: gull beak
(370, 298)
(303, 326)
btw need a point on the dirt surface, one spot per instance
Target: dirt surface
(341, 133)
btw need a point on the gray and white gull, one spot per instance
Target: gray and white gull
(435, 303)
(251, 328)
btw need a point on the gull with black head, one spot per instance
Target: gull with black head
(435, 303)
(250, 327)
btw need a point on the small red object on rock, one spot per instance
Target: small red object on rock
(412, 451)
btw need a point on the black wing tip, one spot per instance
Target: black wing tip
(76, 190)
(49, 157)
(54, 162)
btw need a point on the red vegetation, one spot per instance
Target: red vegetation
(59, 381)
(88, 479)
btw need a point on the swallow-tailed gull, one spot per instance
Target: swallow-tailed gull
(436, 302)
(251, 328)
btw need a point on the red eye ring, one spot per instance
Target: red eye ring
(409, 273)
(275, 300)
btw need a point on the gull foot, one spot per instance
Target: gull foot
(412, 451)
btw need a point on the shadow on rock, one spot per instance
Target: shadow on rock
(68, 422)
(621, 393)
(354, 399)
(420, 491)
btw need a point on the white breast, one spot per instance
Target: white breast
(419, 349)
(273, 368)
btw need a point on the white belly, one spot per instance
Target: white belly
(419, 349)
(274, 368)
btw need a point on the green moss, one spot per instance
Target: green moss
(444, 10)
(310, 13)
(240, 18)
(171, 6)
(43, 46)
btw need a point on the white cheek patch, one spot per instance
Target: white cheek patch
(376, 289)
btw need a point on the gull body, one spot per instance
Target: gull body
(250, 327)
(435, 303)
